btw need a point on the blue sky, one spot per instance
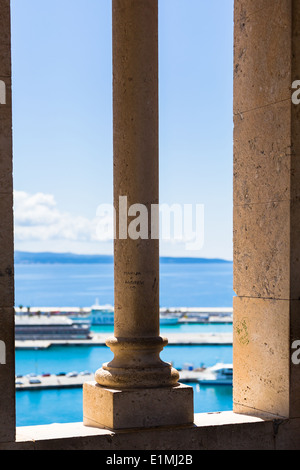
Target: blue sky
(62, 120)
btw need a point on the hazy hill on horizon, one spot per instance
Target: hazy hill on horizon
(26, 257)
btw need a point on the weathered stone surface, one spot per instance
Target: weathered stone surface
(262, 155)
(262, 54)
(211, 431)
(5, 61)
(7, 252)
(7, 370)
(144, 408)
(7, 375)
(266, 250)
(246, 8)
(266, 207)
(261, 356)
(262, 250)
(266, 356)
(6, 176)
(5, 37)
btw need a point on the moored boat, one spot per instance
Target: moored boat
(168, 320)
(219, 374)
(104, 315)
(39, 327)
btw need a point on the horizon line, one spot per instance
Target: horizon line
(94, 255)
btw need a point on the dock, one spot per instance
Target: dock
(200, 338)
(40, 382)
(99, 339)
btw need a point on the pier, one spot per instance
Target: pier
(47, 333)
(99, 339)
(73, 380)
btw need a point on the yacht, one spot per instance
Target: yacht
(219, 374)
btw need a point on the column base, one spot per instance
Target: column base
(137, 408)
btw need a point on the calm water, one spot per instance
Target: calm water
(65, 406)
(79, 285)
(191, 285)
(79, 358)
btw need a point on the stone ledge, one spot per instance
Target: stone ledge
(211, 431)
(69, 430)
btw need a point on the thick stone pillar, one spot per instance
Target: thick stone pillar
(266, 208)
(7, 358)
(141, 389)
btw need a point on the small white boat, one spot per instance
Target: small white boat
(219, 374)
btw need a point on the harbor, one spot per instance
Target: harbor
(99, 339)
(41, 328)
(104, 314)
(196, 321)
(57, 331)
(45, 331)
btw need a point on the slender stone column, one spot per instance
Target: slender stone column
(147, 383)
(137, 343)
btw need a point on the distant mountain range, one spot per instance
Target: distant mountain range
(23, 257)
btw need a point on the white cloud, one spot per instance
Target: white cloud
(37, 217)
(39, 225)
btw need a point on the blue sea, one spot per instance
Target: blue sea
(80, 285)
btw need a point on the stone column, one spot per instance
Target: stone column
(7, 358)
(266, 208)
(144, 390)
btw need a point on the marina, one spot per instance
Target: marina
(40, 328)
(104, 314)
(220, 374)
(99, 339)
(197, 336)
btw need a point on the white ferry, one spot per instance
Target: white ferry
(219, 374)
(44, 327)
(104, 315)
